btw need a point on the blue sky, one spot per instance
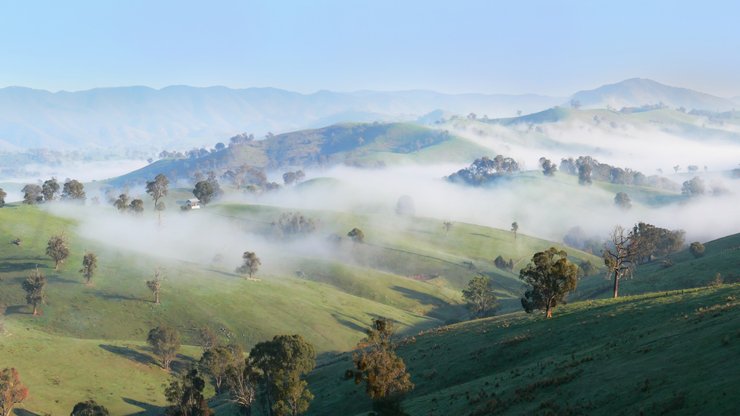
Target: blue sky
(548, 47)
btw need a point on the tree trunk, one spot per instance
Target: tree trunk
(548, 311)
(35, 310)
(56, 266)
(156, 298)
(616, 285)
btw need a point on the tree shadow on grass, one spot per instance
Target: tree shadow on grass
(115, 296)
(8, 267)
(439, 308)
(345, 320)
(24, 412)
(148, 408)
(129, 353)
(18, 310)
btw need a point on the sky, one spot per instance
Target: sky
(546, 47)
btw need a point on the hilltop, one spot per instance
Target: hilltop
(638, 92)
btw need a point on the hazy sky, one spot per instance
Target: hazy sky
(549, 47)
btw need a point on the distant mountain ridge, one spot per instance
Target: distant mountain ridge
(636, 92)
(182, 116)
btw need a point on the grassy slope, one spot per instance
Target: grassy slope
(672, 352)
(721, 256)
(61, 371)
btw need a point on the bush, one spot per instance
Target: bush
(697, 249)
(502, 264)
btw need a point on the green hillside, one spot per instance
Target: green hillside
(355, 144)
(660, 353)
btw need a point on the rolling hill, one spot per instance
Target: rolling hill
(638, 92)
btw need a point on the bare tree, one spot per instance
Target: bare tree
(620, 255)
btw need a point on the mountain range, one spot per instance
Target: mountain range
(182, 117)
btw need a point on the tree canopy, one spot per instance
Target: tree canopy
(165, 341)
(550, 276)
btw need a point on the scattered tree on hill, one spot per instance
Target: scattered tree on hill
(89, 264)
(502, 264)
(655, 241)
(158, 189)
(122, 203)
(290, 178)
(622, 200)
(49, 189)
(514, 228)
(447, 225)
(550, 277)
(693, 187)
(216, 361)
(584, 172)
(32, 194)
(241, 380)
(3, 194)
(283, 364)
(587, 268)
(676, 168)
(485, 169)
(405, 206)
(380, 368)
(185, 395)
(35, 287)
(155, 285)
(58, 249)
(250, 265)
(217, 191)
(73, 190)
(89, 408)
(165, 342)
(620, 255)
(356, 235)
(207, 339)
(137, 206)
(548, 168)
(697, 249)
(12, 391)
(479, 296)
(293, 224)
(204, 192)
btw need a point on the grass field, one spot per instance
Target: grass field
(660, 353)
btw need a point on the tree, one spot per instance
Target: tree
(165, 342)
(3, 194)
(35, 287)
(32, 194)
(380, 368)
(356, 235)
(621, 255)
(122, 203)
(157, 189)
(550, 277)
(693, 187)
(676, 168)
(89, 264)
(447, 225)
(58, 249)
(137, 206)
(283, 364)
(250, 265)
(697, 249)
(204, 192)
(207, 338)
(514, 228)
(216, 361)
(479, 296)
(548, 168)
(293, 224)
(290, 178)
(49, 189)
(405, 206)
(622, 200)
(12, 391)
(584, 172)
(155, 285)
(241, 380)
(89, 408)
(185, 395)
(73, 190)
